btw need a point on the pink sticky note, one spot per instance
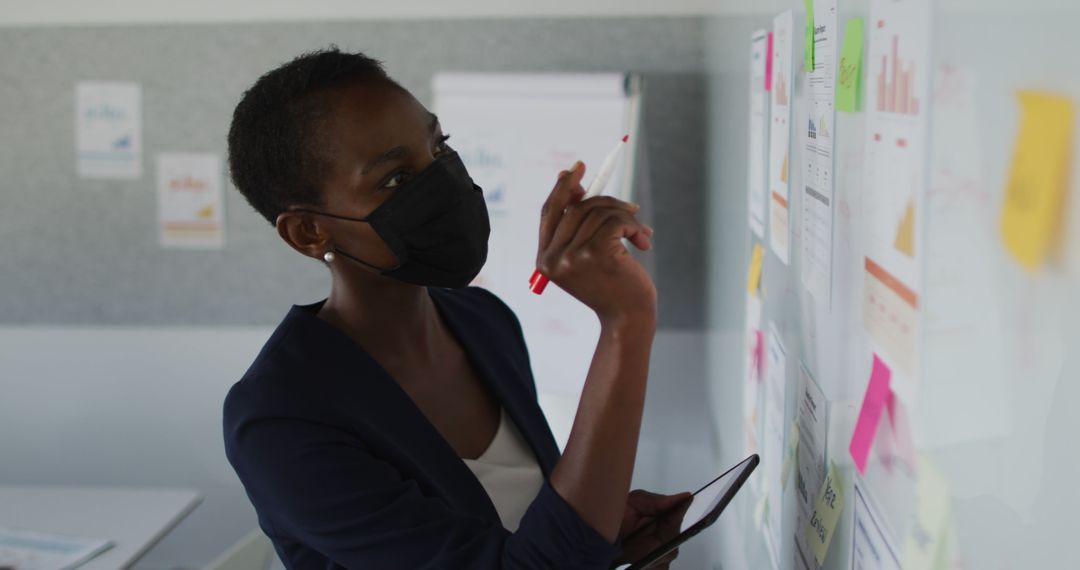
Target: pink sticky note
(768, 64)
(901, 429)
(874, 402)
(759, 354)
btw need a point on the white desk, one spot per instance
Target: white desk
(133, 518)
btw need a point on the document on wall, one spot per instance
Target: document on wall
(775, 386)
(819, 146)
(108, 129)
(960, 323)
(813, 423)
(29, 550)
(872, 547)
(753, 366)
(190, 201)
(898, 82)
(759, 109)
(780, 138)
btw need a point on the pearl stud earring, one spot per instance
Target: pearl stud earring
(328, 257)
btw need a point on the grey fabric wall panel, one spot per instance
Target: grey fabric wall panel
(79, 251)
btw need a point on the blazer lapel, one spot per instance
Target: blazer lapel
(497, 369)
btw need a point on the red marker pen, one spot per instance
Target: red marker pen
(539, 281)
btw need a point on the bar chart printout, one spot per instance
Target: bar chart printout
(895, 83)
(896, 183)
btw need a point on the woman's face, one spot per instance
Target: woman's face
(378, 136)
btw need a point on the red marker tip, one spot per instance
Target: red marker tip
(625, 138)
(538, 282)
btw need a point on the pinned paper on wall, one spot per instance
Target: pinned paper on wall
(808, 50)
(928, 535)
(872, 546)
(780, 138)
(190, 201)
(812, 419)
(849, 80)
(1034, 200)
(753, 365)
(108, 129)
(874, 402)
(772, 459)
(827, 508)
(754, 276)
(757, 185)
(895, 443)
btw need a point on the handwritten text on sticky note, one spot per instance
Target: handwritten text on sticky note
(849, 80)
(827, 508)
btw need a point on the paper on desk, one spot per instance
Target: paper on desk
(1034, 199)
(29, 550)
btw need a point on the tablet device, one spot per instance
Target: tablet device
(698, 513)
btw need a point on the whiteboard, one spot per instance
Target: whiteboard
(993, 410)
(515, 133)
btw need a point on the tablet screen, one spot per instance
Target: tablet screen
(671, 528)
(706, 498)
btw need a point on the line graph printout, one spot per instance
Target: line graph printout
(780, 138)
(759, 108)
(895, 185)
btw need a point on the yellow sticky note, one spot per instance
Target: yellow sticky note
(790, 455)
(762, 505)
(928, 534)
(754, 279)
(1035, 198)
(827, 508)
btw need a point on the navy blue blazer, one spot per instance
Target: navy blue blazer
(345, 471)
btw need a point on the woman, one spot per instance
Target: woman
(395, 424)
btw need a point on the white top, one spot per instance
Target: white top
(133, 518)
(509, 472)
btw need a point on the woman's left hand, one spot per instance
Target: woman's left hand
(643, 507)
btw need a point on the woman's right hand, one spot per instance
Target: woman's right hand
(581, 250)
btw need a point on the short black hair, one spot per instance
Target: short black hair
(276, 158)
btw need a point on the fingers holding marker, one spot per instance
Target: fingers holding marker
(576, 215)
(567, 190)
(604, 228)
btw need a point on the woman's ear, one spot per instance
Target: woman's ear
(303, 234)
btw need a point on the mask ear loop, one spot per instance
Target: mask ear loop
(380, 270)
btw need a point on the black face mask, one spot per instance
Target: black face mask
(436, 224)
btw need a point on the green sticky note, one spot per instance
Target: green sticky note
(827, 509)
(808, 51)
(849, 80)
